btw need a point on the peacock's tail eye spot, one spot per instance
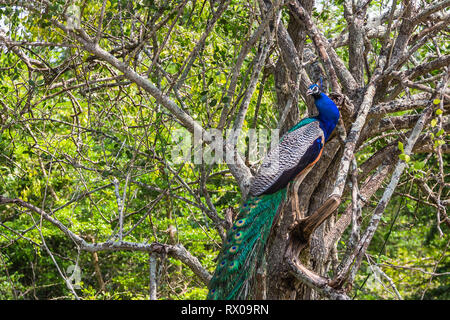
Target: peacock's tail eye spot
(240, 222)
(233, 249)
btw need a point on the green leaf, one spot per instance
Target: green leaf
(440, 132)
(400, 146)
(438, 143)
(418, 165)
(404, 157)
(213, 103)
(439, 112)
(433, 122)
(436, 101)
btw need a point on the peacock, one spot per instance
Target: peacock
(299, 149)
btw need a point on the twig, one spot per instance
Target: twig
(152, 276)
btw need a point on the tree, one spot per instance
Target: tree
(94, 93)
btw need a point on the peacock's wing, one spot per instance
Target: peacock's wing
(297, 150)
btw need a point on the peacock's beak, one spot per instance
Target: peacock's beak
(309, 92)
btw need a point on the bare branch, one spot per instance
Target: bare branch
(175, 251)
(316, 282)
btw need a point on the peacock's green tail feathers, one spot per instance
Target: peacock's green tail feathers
(244, 247)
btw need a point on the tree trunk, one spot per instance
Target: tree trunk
(312, 194)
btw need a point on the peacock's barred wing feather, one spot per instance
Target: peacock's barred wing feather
(297, 149)
(244, 248)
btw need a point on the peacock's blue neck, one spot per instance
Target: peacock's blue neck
(328, 114)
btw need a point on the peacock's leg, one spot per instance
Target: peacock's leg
(294, 192)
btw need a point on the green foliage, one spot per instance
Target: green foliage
(66, 132)
(408, 248)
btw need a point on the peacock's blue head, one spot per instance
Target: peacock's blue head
(314, 90)
(328, 111)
